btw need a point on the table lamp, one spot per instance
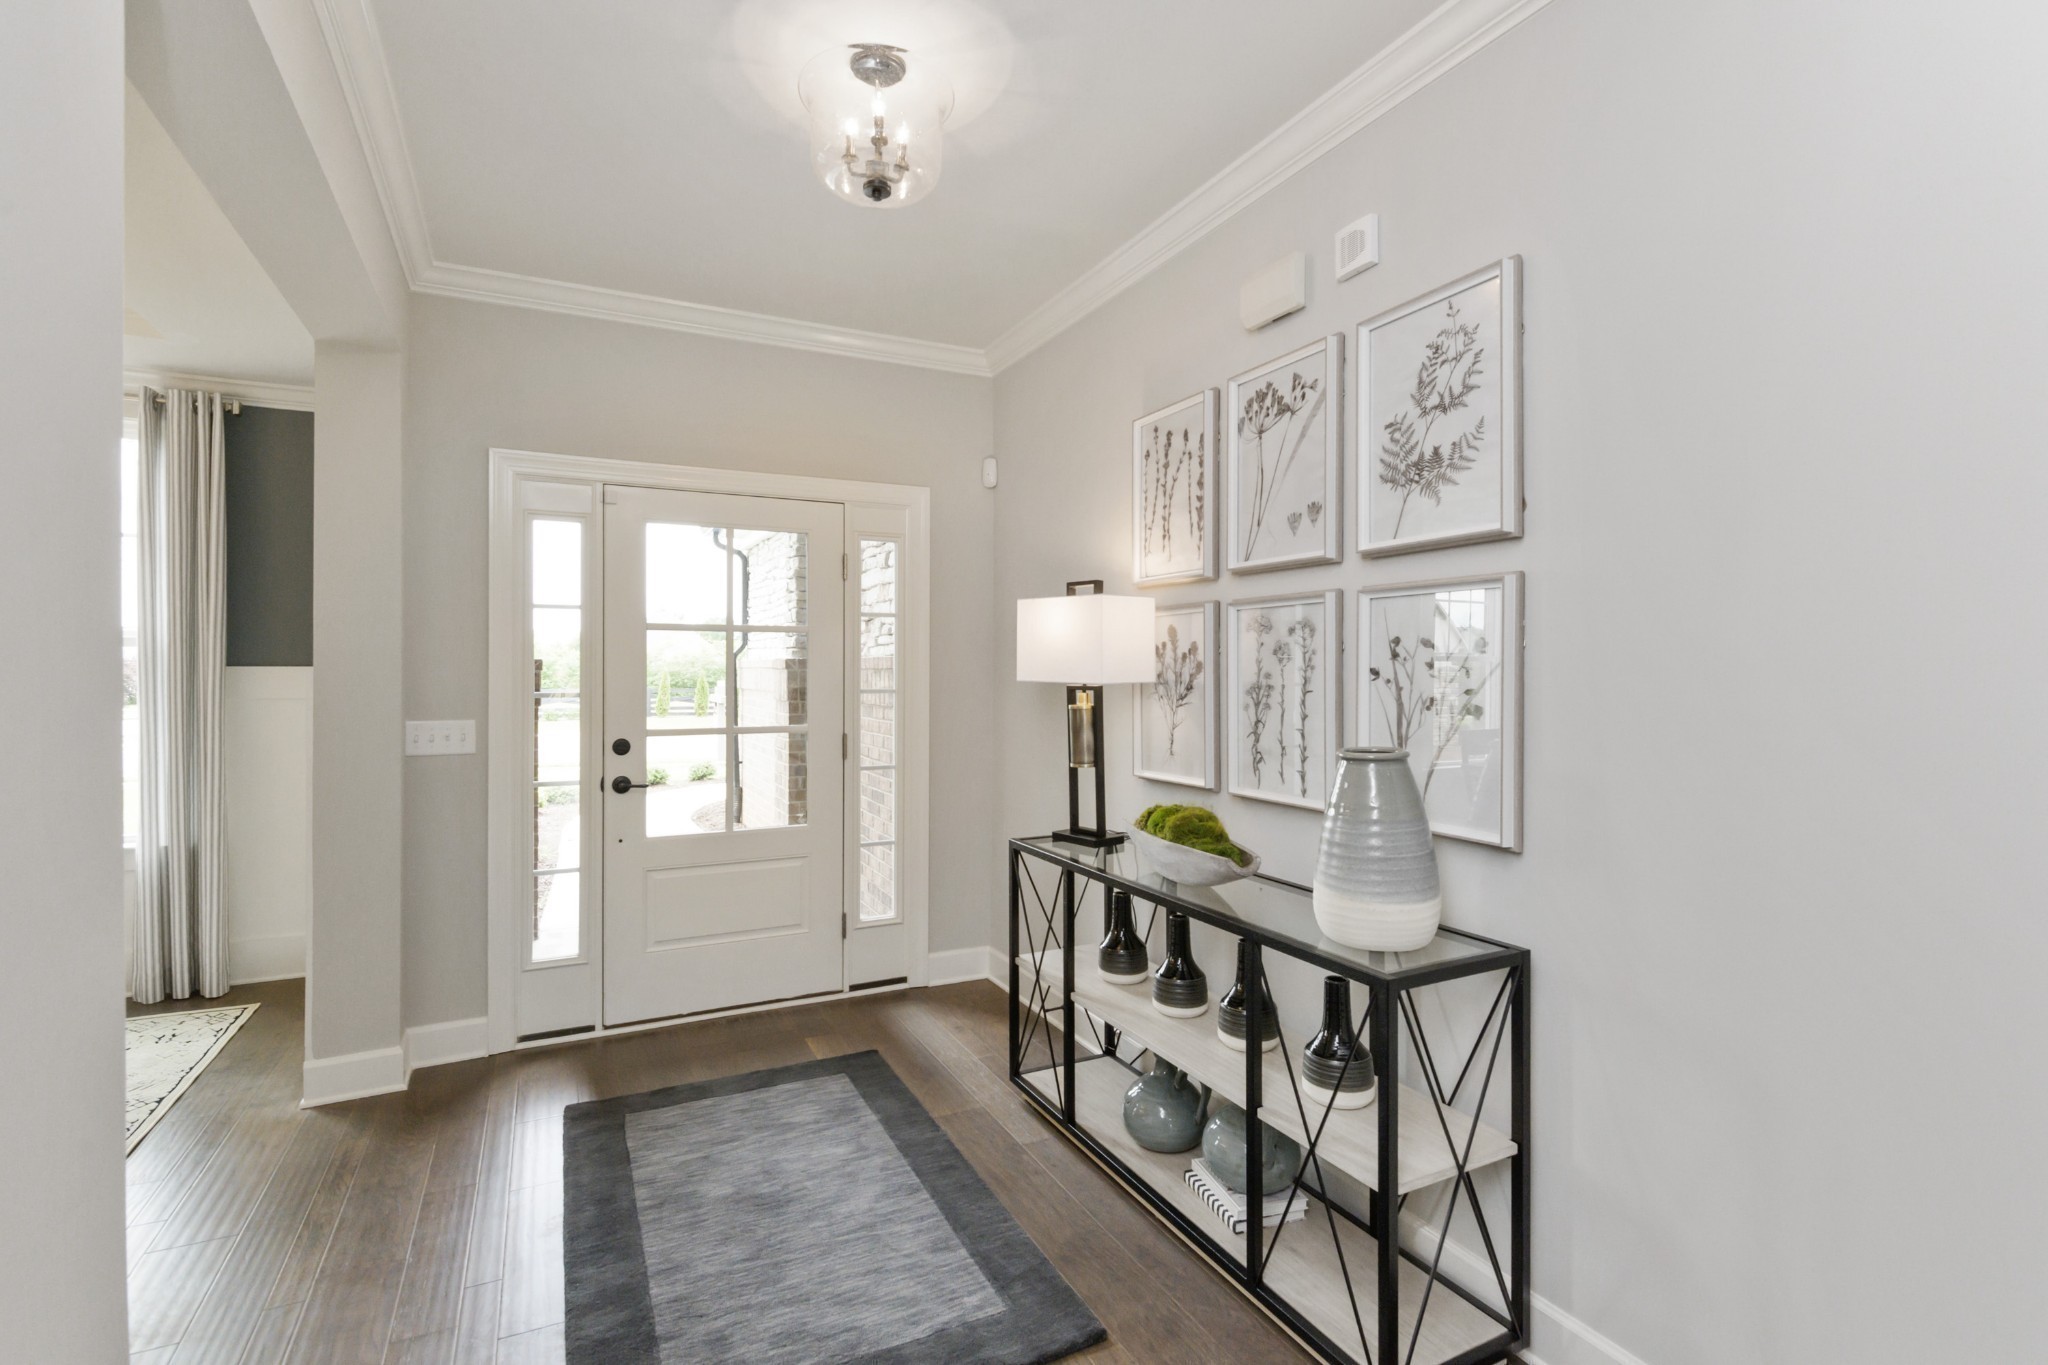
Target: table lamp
(1085, 640)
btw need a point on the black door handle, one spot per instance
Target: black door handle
(623, 784)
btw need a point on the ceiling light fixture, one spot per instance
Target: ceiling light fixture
(877, 130)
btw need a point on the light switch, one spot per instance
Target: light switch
(427, 738)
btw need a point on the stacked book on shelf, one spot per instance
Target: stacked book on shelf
(1230, 1207)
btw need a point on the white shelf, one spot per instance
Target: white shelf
(1302, 1265)
(1350, 1139)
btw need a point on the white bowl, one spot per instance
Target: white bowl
(1188, 866)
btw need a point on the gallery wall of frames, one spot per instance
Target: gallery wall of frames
(1237, 485)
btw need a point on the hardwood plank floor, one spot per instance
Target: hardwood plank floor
(426, 1228)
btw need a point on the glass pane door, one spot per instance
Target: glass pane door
(727, 679)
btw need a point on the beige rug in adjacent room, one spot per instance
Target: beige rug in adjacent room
(166, 1053)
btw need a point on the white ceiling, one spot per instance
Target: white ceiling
(658, 148)
(198, 303)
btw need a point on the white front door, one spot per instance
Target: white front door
(724, 667)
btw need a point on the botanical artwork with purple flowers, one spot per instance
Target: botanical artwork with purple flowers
(1173, 512)
(1176, 730)
(1283, 698)
(1285, 457)
(1440, 676)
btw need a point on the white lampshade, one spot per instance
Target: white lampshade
(1087, 641)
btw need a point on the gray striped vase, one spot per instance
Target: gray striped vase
(1376, 882)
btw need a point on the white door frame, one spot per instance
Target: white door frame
(526, 482)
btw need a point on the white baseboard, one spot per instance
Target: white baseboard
(330, 1080)
(273, 957)
(1564, 1340)
(458, 1040)
(956, 965)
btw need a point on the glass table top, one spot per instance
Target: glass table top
(1275, 911)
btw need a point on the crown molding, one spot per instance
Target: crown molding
(357, 49)
(256, 393)
(1446, 37)
(1439, 42)
(702, 319)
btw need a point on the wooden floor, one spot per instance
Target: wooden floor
(427, 1227)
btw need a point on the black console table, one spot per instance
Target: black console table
(1415, 1245)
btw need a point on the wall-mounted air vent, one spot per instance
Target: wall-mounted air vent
(1358, 246)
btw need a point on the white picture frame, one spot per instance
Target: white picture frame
(1175, 734)
(1439, 416)
(1280, 749)
(1286, 478)
(1425, 651)
(1174, 493)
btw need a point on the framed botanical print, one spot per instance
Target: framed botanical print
(1440, 416)
(1440, 675)
(1173, 493)
(1176, 729)
(1287, 460)
(1285, 658)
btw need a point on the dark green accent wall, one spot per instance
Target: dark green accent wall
(269, 524)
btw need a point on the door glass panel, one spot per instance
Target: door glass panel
(558, 738)
(878, 575)
(772, 673)
(685, 785)
(557, 827)
(877, 805)
(878, 729)
(878, 881)
(557, 563)
(558, 646)
(878, 652)
(772, 569)
(773, 781)
(557, 909)
(686, 574)
(685, 679)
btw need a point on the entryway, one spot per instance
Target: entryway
(707, 742)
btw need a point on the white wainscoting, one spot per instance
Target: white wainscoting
(267, 772)
(267, 730)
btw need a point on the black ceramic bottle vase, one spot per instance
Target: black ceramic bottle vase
(1336, 1072)
(1179, 989)
(1122, 954)
(1230, 1021)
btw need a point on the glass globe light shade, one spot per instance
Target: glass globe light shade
(848, 114)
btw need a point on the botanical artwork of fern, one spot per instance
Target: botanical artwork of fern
(1173, 484)
(1434, 437)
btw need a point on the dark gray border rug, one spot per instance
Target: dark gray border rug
(813, 1213)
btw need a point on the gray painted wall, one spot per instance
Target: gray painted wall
(481, 376)
(1784, 537)
(61, 1294)
(352, 951)
(269, 533)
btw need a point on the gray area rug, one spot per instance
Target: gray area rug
(809, 1214)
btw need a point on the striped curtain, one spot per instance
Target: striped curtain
(179, 941)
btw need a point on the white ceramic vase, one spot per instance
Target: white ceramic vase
(1376, 881)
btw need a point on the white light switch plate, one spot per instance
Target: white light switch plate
(430, 737)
